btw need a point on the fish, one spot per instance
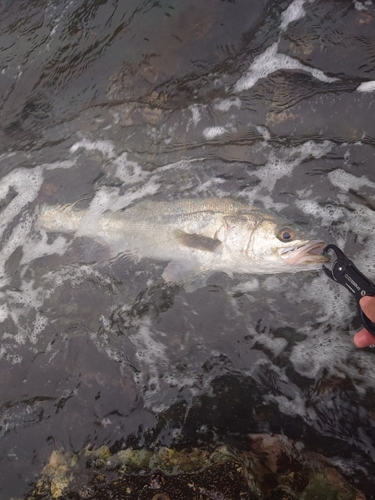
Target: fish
(196, 236)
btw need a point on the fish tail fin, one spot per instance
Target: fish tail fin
(60, 218)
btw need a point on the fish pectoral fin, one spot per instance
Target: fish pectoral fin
(197, 241)
(186, 273)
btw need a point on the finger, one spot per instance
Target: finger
(363, 338)
(368, 306)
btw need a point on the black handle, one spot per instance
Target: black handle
(347, 274)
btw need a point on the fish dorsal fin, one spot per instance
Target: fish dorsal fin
(197, 241)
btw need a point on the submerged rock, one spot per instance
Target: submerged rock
(273, 468)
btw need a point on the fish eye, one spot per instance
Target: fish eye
(286, 234)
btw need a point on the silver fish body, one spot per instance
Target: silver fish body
(196, 236)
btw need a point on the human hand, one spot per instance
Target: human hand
(364, 338)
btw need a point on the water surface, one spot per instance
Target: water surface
(110, 102)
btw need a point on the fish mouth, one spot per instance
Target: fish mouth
(308, 253)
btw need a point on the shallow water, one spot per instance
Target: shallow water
(271, 103)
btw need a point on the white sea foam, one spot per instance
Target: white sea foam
(224, 105)
(151, 354)
(102, 201)
(270, 61)
(326, 346)
(196, 113)
(283, 163)
(246, 286)
(212, 132)
(366, 87)
(18, 224)
(294, 12)
(157, 373)
(59, 164)
(206, 186)
(264, 132)
(335, 352)
(104, 147)
(364, 5)
(346, 181)
(17, 180)
(295, 405)
(148, 187)
(144, 184)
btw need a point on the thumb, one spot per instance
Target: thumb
(367, 304)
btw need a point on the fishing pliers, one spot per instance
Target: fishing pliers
(345, 272)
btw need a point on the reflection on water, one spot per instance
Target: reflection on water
(270, 103)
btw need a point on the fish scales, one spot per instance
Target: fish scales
(181, 212)
(196, 236)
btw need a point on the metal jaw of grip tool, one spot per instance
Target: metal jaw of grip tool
(344, 272)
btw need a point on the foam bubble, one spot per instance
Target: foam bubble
(39, 325)
(294, 12)
(327, 213)
(364, 5)
(148, 187)
(247, 286)
(328, 346)
(367, 86)
(36, 248)
(293, 405)
(59, 164)
(205, 187)
(152, 356)
(17, 180)
(3, 312)
(271, 61)
(283, 167)
(196, 114)
(101, 202)
(346, 181)
(264, 132)
(212, 132)
(334, 306)
(129, 172)
(224, 105)
(104, 147)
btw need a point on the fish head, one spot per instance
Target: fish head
(283, 246)
(262, 243)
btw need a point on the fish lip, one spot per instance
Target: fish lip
(305, 253)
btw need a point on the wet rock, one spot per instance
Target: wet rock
(222, 477)
(133, 113)
(284, 469)
(272, 468)
(348, 50)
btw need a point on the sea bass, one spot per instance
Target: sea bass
(196, 236)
